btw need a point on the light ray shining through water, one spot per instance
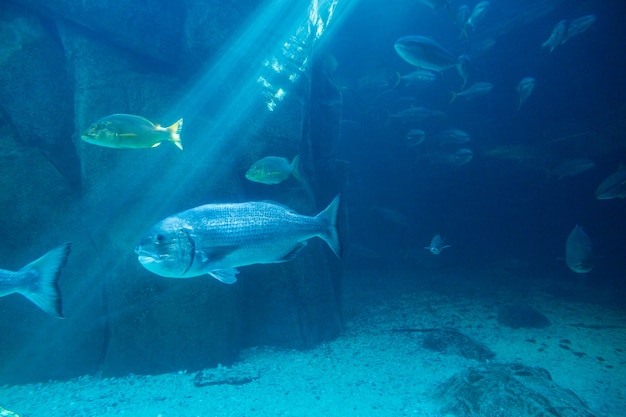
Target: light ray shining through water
(245, 84)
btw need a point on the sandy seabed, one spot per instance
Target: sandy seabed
(369, 370)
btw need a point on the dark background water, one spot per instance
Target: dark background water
(490, 208)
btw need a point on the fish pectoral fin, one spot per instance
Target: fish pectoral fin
(216, 253)
(155, 145)
(227, 276)
(127, 135)
(292, 253)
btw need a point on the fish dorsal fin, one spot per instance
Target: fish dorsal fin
(226, 276)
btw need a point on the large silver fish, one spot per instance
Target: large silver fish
(216, 239)
(37, 281)
(578, 252)
(425, 53)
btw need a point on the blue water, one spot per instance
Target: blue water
(253, 79)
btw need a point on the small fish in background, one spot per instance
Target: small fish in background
(556, 36)
(613, 186)
(524, 89)
(415, 137)
(571, 167)
(419, 78)
(415, 114)
(438, 4)
(462, 15)
(437, 244)
(452, 136)
(478, 15)
(423, 52)
(578, 251)
(463, 69)
(127, 131)
(216, 239)
(578, 26)
(477, 89)
(460, 157)
(274, 170)
(392, 216)
(38, 281)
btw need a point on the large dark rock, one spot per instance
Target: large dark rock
(452, 342)
(505, 390)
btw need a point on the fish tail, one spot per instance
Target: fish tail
(331, 234)
(174, 131)
(44, 291)
(295, 168)
(398, 79)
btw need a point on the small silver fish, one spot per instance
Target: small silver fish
(613, 186)
(417, 114)
(415, 137)
(578, 26)
(462, 14)
(37, 281)
(478, 15)
(557, 36)
(578, 251)
(437, 244)
(460, 157)
(273, 170)
(474, 90)
(524, 89)
(452, 136)
(419, 78)
(571, 167)
(216, 239)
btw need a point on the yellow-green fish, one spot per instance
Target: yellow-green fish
(273, 170)
(124, 131)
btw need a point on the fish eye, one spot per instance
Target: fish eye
(159, 238)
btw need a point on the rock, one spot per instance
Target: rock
(504, 390)
(235, 375)
(6, 413)
(518, 315)
(453, 342)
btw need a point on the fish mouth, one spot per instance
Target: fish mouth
(145, 257)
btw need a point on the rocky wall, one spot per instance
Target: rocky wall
(86, 61)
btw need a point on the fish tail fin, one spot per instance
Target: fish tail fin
(295, 168)
(398, 79)
(331, 233)
(44, 291)
(174, 131)
(453, 97)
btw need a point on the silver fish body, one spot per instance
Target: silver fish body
(216, 239)
(437, 244)
(524, 89)
(578, 251)
(38, 281)
(613, 186)
(425, 53)
(578, 26)
(557, 36)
